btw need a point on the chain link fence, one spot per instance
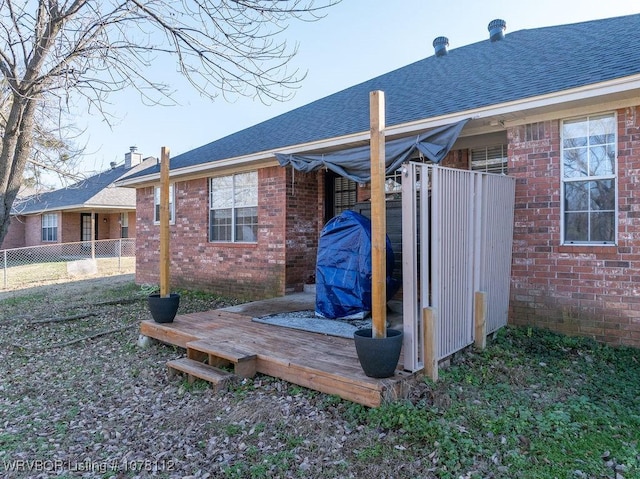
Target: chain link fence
(66, 261)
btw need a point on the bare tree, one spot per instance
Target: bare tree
(54, 53)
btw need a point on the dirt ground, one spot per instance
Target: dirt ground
(79, 398)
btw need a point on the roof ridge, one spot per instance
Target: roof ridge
(470, 77)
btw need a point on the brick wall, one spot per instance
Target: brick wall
(243, 270)
(70, 230)
(15, 234)
(132, 224)
(456, 159)
(304, 214)
(71, 227)
(33, 230)
(112, 228)
(113, 222)
(576, 290)
(27, 230)
(104, 227)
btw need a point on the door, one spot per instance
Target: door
(85, 227)
(88, 246)
(340, 194)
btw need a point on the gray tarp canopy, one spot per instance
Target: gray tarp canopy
(355, 163)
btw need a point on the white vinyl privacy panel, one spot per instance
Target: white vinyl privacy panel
(494, 204)
(457, 239)
(451, 247)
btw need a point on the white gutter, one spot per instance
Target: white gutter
(581, 93)
(74, 207)
(576, 94)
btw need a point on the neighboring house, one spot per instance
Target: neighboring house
(15, 234)
(66, 215)
(558, 108)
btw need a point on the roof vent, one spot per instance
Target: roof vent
(496, 29)
(112, 165)
(440, 44)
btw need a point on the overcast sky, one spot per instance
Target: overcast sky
(358, 40)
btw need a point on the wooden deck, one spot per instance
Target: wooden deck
(323, 363)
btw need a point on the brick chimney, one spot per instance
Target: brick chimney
(132, 158)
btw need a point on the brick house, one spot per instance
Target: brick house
(558, 108)
(66, 215)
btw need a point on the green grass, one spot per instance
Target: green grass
(18, 301)
(269, 465)
(57, 271)
(196, 385)
(534, 404)
(124, 291)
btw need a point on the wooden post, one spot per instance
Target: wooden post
(430, 345)
(378, 217)
(480, 319)
(164, 222)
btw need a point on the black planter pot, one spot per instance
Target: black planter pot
(163, 310)
(378, 356)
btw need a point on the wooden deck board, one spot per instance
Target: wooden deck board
(324, 363)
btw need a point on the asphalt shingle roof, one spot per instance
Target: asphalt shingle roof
(97, 190)
(526, 63)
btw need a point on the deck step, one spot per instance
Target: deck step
(218, 353)
(194, 369)
(222, 350)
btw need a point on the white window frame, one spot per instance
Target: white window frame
(50, 224)
(233, 207)
(124, 224)
(564, 181)
(156, 205)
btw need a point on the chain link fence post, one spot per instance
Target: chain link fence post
(120, 255)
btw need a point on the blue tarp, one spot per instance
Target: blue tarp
(343, 269)
(355, 163)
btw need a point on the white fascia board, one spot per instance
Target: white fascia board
(50, 210)
(551, 99)
(110, 207)
(581, 93)
(75, 207)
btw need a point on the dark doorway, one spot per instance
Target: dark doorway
(340, 194)
(85, 226)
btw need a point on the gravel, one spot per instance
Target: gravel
(79, 398)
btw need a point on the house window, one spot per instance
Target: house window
(156, 203)
(50, 227)
(589, 180)
(233, 208)
(344, 191)
(490, 159)
(124, 225)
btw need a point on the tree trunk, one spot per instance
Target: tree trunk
(16, 147)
